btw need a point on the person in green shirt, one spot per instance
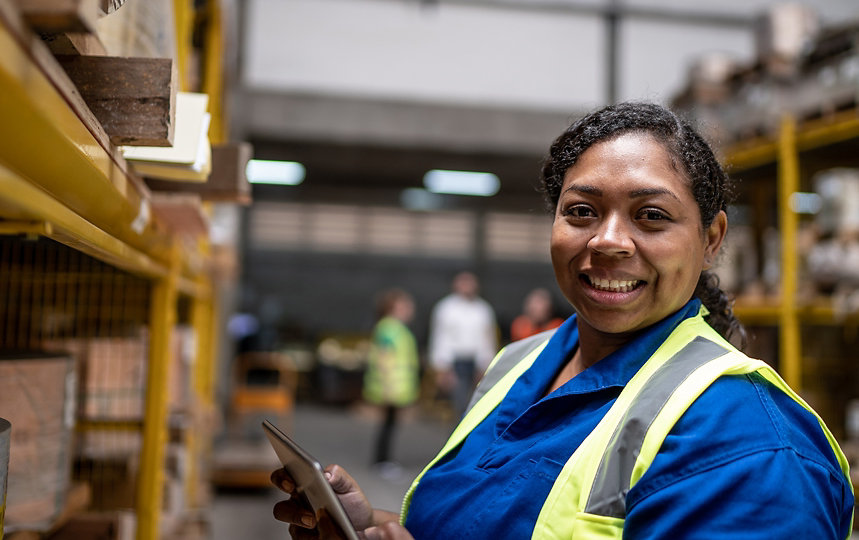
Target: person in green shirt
(392, 377)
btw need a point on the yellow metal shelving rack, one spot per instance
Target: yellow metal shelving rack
(784, 151)
(60, 178)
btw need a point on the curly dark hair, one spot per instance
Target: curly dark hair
(691, 155)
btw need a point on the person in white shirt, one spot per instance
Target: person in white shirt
(463, 338)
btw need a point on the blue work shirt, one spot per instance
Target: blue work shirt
(744, 461)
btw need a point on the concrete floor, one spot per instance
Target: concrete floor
(333, 435)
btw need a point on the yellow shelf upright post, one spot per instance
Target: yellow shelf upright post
(155, 429)
(790, 352)
(213, 71)
(183, 13)
(198, 437)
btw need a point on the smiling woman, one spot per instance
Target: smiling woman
(636, 418)
(614, 248)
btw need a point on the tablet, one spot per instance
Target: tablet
(310, 480)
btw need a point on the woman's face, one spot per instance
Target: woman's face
(627, 241)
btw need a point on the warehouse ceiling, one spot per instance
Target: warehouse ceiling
(372, 150)
(315, 101)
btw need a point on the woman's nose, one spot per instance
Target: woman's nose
(612, 237)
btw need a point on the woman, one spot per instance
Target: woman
(391, 380)
(636, 418)
(537, 315)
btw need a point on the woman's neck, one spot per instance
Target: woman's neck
(593, 347)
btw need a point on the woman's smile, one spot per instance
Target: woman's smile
(612, 285)
(612, 292)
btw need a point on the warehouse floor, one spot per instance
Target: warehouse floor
(334, 435)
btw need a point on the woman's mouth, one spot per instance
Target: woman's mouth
(613, 285)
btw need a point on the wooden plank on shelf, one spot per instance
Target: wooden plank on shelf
(134, 99)
(182, 213)
(55, 16)
(227, 181)
(38, 51)
(75, 43)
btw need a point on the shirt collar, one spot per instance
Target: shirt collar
(615, 369)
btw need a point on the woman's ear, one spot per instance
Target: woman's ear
(715, 233)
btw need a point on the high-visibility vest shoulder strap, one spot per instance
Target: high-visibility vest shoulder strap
(511, 362)
(505, 361)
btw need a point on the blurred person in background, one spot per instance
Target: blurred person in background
(463, 338)
(537, 315)
(638, 417)
(391, 380)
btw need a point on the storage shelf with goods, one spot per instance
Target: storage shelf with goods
(793, 302)
(106, 301)
(786, 125)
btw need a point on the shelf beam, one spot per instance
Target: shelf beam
(35, 212)
(48, 144)
(809, 135)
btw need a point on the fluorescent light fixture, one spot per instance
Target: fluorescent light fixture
(481, 184)
(806, 203)
(284, 173)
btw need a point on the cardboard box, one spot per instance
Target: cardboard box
(37, 396)
(115, 377)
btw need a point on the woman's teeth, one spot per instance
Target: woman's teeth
(613, 285)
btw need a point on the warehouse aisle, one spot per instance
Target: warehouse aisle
(334, 435)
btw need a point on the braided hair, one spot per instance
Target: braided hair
(690, 154)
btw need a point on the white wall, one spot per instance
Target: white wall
(398, 50)
(459, 54)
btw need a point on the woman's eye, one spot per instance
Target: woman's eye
(652, 214)
(579, 211)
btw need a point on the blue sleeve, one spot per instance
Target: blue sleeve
(745, 461)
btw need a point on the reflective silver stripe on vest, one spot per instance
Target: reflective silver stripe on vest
(608, 493)
(510, 356)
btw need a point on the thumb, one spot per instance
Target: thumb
(373, 533)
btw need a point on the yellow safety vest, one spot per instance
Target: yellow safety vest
(588, 499)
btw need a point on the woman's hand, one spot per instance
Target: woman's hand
(297, 512)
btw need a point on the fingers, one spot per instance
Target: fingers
(340, 480)
(283, 481)
(291, 511)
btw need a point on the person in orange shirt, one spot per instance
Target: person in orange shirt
(537, 315)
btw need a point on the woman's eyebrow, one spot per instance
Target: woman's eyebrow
(585, 188)
(634, 194)
(649, 192)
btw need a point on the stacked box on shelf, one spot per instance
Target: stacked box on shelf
(799, 68)
(113, 373)
(183, 343)
(115, 377)
(702, 100)
(37, 396)
(829, 80)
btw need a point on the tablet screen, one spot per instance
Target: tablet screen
(310, 480)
